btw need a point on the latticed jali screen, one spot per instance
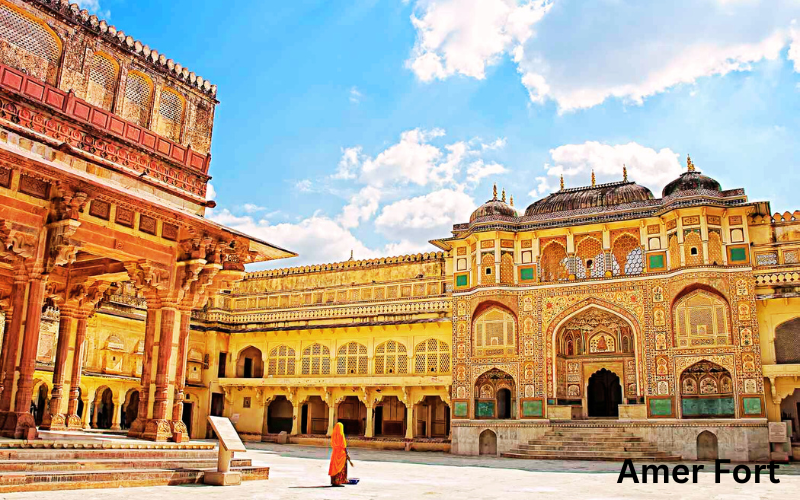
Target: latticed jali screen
(171, 110)
(432, 356)
(316, 360)
(102, 81)
(391, 357)
(627, 252)
(701, 319)
(787, 342)
(29, 37)
(552, 262)
(281, 361)
(138, 96)
(352, 359)
(494, 333)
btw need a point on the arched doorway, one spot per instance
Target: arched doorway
(495, 395)
(40, 407)
(487, 443)
(314, 416)
(104, 408)
(503, 403)
(279, 415)
(130, 409)
(604, 394)
(592, 338)
(707, 391)
(352, 414)
(250, 363)
(390, 417)
(707, 448)
(80, 403)
(433, 417)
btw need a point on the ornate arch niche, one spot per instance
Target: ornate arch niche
(590, 339)
(701, 318)
(494, 332)
(707, 391)
(495, 395)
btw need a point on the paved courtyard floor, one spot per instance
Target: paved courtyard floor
(301, 472)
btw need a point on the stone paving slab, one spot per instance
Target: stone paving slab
(301, 472)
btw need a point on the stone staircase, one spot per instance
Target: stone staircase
(65, 465)
(585, 442)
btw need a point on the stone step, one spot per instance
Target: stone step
(631, 453)
(48, 481)
(16, 444)
(108, 454)
(595, 439)
(590, 430)
(595, 456)
(92, 464)
(621, 447)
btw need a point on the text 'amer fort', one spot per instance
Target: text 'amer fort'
(673, 319)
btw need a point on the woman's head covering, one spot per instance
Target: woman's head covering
(338, 439)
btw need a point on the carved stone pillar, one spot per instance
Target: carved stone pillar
(159, 428)
(57, 419)
(116, 415)
(11, 346)
(74, 421)
(87, 410)
(410, 420)
(370, 430)
(95, 412)
(296, 421)
(20, 422)
(137, 426)
(332, 418)
(179, 431)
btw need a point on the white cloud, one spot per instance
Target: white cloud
(477, 170)
(579, 60)
(355, 95)
(362, 207)
(303, 186)
(413, 160)
(465, 36)
(211, 193)
(93, 6)
(645, 165)
(351, 159)
(415, 219)
(542, 188)
(252, 208)
(317, 239)
(386, 185)
(498, 143)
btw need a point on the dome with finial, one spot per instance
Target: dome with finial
(494, 207)
(596, 195)
(691, 180)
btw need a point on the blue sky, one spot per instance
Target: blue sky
(373, 126)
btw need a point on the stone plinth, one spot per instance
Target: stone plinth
(565, 412)
(632, 412)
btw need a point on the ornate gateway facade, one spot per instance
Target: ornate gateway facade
(675, 318)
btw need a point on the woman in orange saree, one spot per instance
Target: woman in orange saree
(339, 458)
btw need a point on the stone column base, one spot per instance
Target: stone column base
(19, 426)
(157, 430)
(115, 427)
(222, 478)
(180, 434)
(137, 428)
(57, 422)
(74, 423)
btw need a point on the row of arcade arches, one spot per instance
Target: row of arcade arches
(431, 356)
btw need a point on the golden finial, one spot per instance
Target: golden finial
(593, 178)
(512, 200)
(504, 195)
(689, 163)
(624, 173)
(494, 192)
(562, 182)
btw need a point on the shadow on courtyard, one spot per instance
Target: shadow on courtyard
(261, 451)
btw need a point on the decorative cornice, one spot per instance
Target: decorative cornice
(348, 264)
(72, 13)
